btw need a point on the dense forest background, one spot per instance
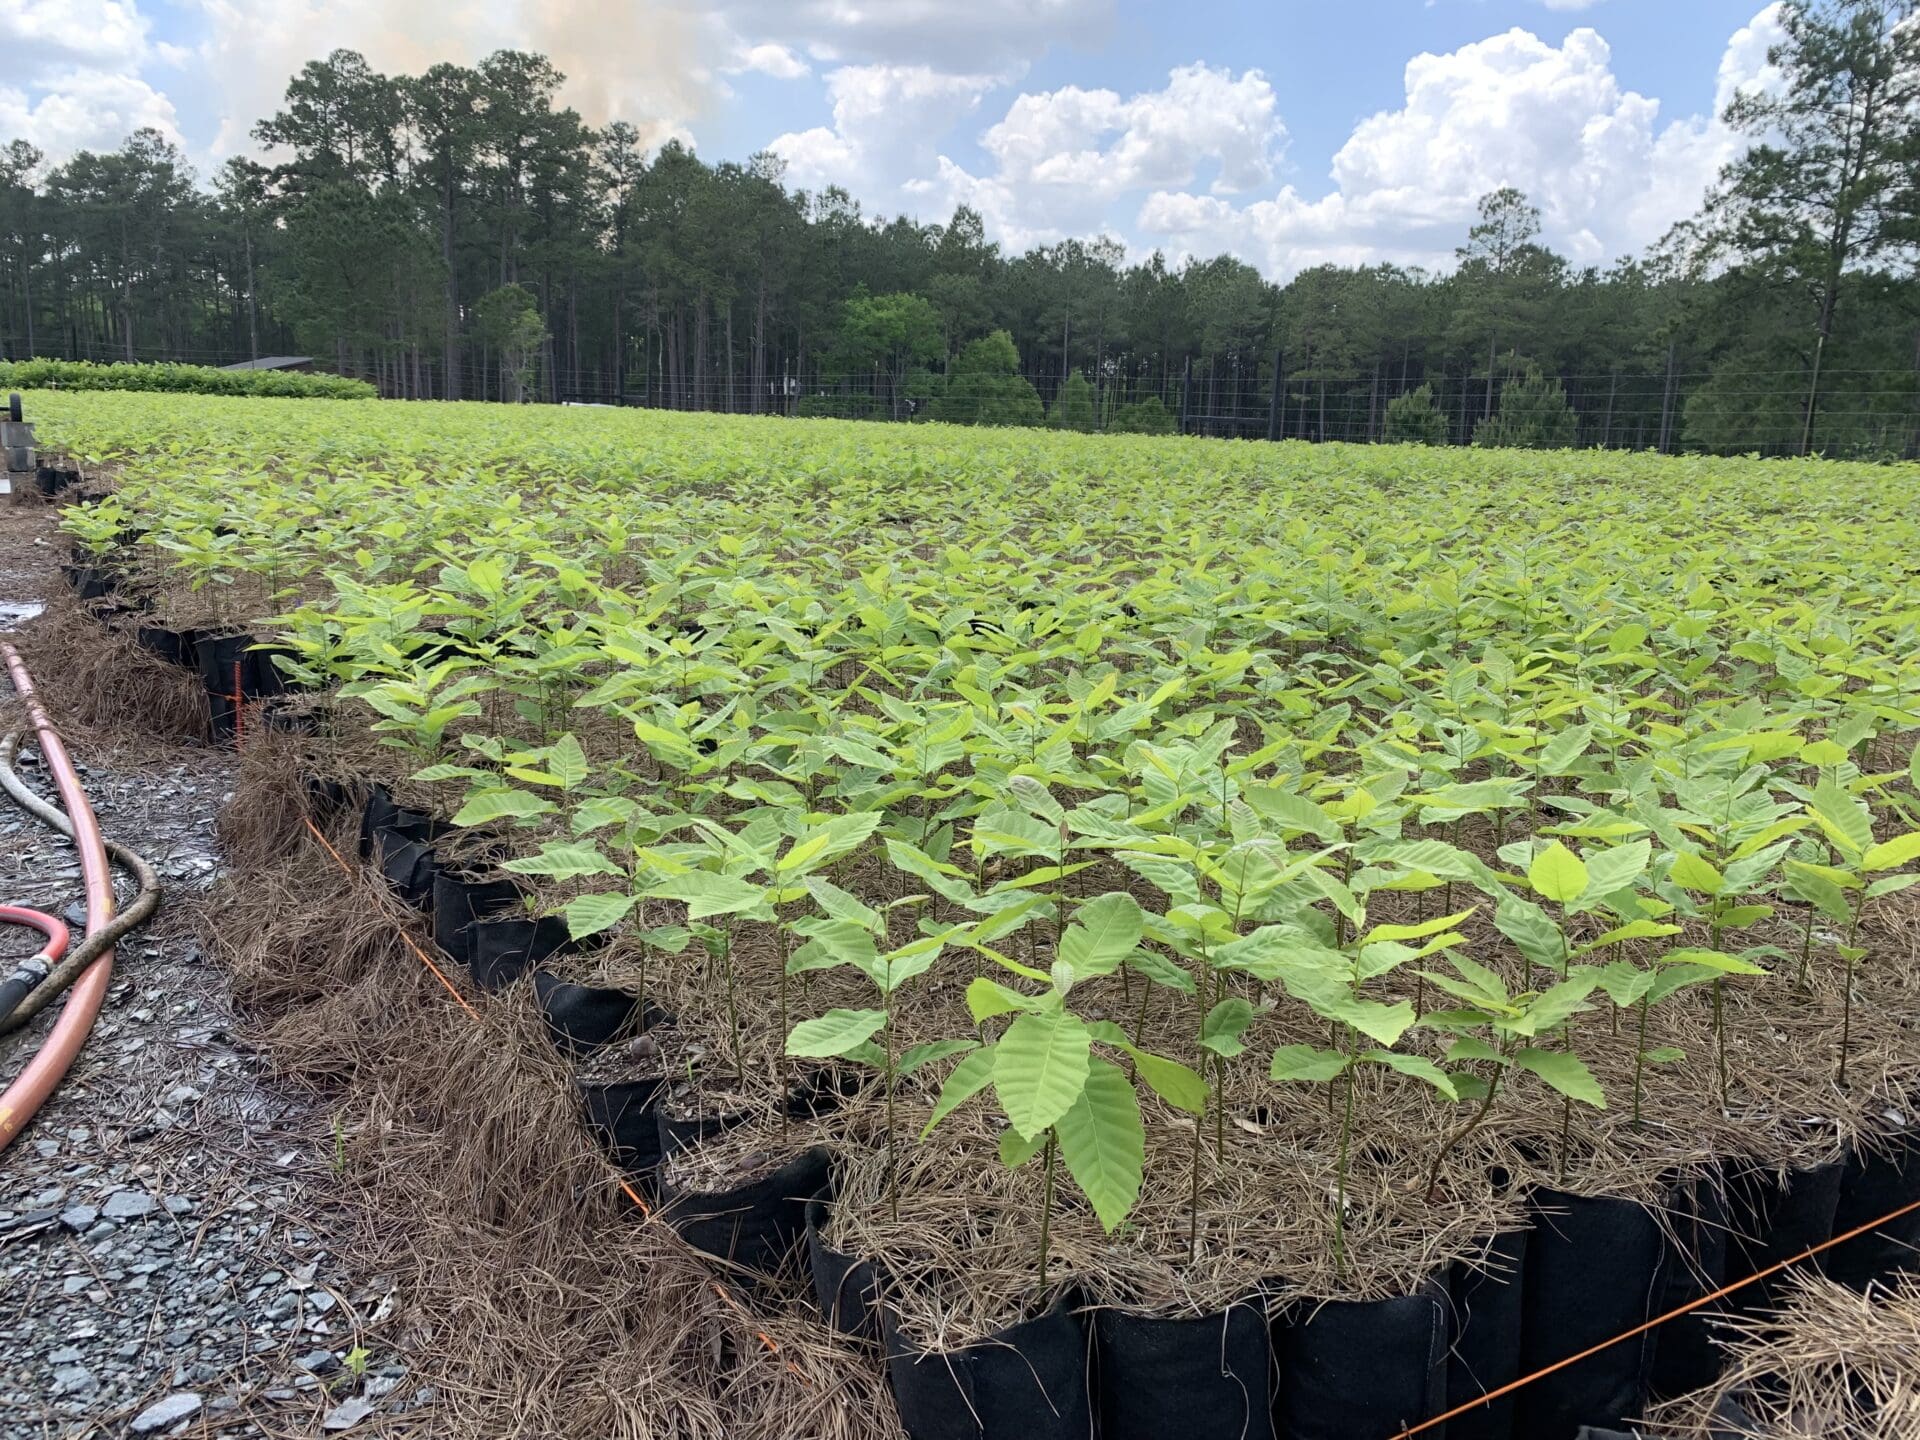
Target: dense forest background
(460, 234)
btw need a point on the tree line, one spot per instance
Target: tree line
(462, 234)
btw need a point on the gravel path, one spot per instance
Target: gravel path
(165, 1266)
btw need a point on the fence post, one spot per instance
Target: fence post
(1273, 400)
(1186, 391)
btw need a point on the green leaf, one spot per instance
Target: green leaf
(1565, 1072)
(1696, 872)
(488, 805)
(590, 914)
(1470, 1047)
(1611, 871)
(1037, 798)
(834, 1033)
(988, 998)
(1382, 933)
(964, 1081)
(1717, 960)
(915, 1056)
(1173, 1082)
(1892, 854)
(1529, 927)
(1556, 1003)
(1104, 932)
(1040, 1069)
(1104, 1143)
(1663, 1055)
(1160, 970)
(1292, 812)
(568, 762)
(564, 862)
(1843, 818)
(1220, 1032)
(1016, 1149)
(707, 894)
(1558, 874)
(1416, 1066)
(1303, 1062)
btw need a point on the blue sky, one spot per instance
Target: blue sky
(1288, 133)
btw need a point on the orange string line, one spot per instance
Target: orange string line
(425, 958)
(1672, 1314)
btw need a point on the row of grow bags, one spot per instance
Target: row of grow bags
(1587, 1269)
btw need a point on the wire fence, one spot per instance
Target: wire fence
(1858, 413)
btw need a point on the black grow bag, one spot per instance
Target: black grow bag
(408, 866)
(844, 1286)
(326, 798)
(501, 951)
(1202, 1378)
(176, 647)
(1488, 1313)
(458, 902)
(1773, 1217)
(1687, 1354)
(90, 582)
(757, 1225)
(582, 1018)
(620, 1117)
(1029, 1382)
(1878, 1181)
(234, 672)
(814, 1095)
(1350, 1368)
(1596, 1266)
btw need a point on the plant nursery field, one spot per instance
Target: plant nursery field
(1223, 938)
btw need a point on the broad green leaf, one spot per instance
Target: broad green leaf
(1892, 854)
(1104, 932)
(1558, 874)
(590, 914)
(988, 998)
(486, 805)
(1303, 1062)
(1611, 871)
(569, 762)
(964, 1081)
(1103, 1142)
(1695, 872)
(915, 1056)
(1416, 1066)
(564, 862)
(1220, 1032)
(1380, 933)
(1016, 1149)
(1565, 1072)
(834, 1033)
(706, 894)
(1040, 1068)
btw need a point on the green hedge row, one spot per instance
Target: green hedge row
(182, 379)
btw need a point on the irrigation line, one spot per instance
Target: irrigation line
(1673, 1314)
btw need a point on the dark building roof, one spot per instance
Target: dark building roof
(272, 362)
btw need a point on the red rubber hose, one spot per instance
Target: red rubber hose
(50, 1063)
(54, 930)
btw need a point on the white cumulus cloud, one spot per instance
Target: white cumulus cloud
(1554, 121)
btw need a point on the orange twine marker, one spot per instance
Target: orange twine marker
(1673, 1314)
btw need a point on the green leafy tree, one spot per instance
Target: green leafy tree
(1073, 406)
(1413, 419)
(1533, 415)
(509, 321)
(986, 387)
(1829, 186)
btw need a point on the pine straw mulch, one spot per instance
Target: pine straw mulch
(551, 1304)
(1831, 1364)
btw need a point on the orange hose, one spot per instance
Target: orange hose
(54, 930)
(50, 1063)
